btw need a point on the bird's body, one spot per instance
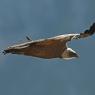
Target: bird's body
(54, 47)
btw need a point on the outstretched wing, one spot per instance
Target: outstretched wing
(45, 48)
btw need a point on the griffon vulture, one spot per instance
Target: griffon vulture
(54, 47)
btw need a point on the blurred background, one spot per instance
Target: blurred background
(23, 75)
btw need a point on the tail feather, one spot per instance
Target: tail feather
(69, 54)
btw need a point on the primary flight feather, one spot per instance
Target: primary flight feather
(54, 47)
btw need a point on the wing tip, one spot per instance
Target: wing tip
(5, 51)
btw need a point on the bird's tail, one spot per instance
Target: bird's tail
(69, 54)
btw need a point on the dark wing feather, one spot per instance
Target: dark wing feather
(28, 38)
(85, 34)
(88, 32)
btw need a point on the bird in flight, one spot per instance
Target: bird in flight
(54, 47)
